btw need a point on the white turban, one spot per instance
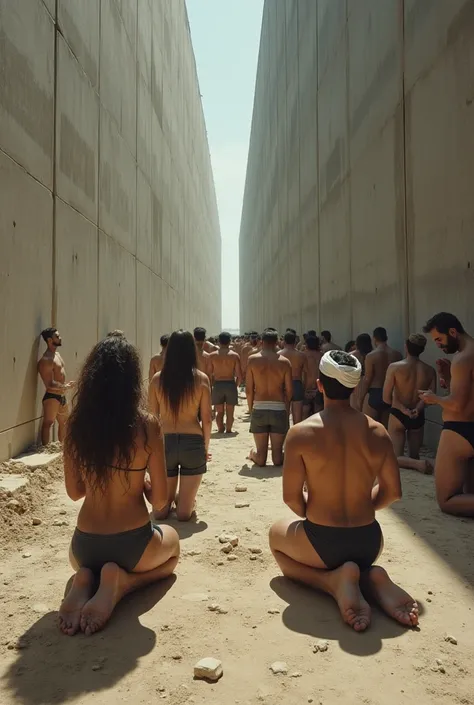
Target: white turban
(347, 375)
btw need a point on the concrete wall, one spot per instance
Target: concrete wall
(108, 214)
(358, 207)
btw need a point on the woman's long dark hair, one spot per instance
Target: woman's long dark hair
(364, 344)
(177, 378)
(107, 411)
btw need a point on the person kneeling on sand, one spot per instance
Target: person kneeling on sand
(339, 454)
(110, 444)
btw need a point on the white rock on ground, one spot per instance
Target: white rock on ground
(241, 505)
(226, 548)
(241, 488)
(208, 669)
(279, 668)
(321, 645)
(451, 639)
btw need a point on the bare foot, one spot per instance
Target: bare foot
(392, 599)
(71, 606)
(97, 612)
(428, 467)
(354, 609)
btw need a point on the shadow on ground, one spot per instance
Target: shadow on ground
(269, 471)
(450, 537)
(54, 668)
(317, 615)
(222, 436)
(185, 529)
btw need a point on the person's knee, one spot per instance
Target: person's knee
(183, 516)
(48, 423)
(171, 537)
(277, 530)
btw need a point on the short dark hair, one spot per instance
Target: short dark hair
(270, 336)
(332, 388)
(413, 349)
(291, 330)
(443, 322)
(224, 338)
(312, 333)
(326, 335)
(380, 334)
(164, 340)
(199, 334)
(312, 342)
(290, 337)
(364, 343)
(349, 345)
(116, 334)
(48, 333)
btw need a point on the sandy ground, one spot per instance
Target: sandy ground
(148, 651)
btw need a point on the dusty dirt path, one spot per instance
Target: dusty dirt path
(148, 651)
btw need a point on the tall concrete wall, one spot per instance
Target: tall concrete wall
(358, 207)
(108, 214)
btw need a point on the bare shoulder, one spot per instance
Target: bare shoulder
(156, 378)
(214, 353)
(304, 431)
(202, 378)
(233, 353)
(284, 361)
(373, 354)
(253, 358)
(394, 366)
(152, 426)
(377, 430)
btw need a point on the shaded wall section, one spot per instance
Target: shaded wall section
(358, 207)
(108, 214)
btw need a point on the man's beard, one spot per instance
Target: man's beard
(57, 345)
(452, 345)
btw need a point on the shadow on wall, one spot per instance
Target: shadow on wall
(53, 668)
(27, 402)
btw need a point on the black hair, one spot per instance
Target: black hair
(200, 334)
(443, 322)
(326, 335)
(48, 333)
(332, 388)
(312, 342)
(177, 379)
(116, 334)
(164, 340)
(349, 345)
(364, 343)
(108, 412)
(224, 338)
(413, 349)
(270, 336)
(312, 334)
(380, 335)
(290, 330)
(290, 337)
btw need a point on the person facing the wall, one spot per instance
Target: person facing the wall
(53, 373)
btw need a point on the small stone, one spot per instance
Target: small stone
(63, 512)
(451, 639)
(208, 669)
(274, 610)
(255, 550)
(241, 505)
(97, 667)
(176, 657)
(253, 558)
(321, 645)
(296, 674)
(226, 548)
(36, 521)
(165, 627)
(439, 662)
(161, 689)
(59, 522)
(220, 562)
(193, 552)
(247, 528)
(26, 555)
(310, 700)
(213, 607)
(430, 592)
(241, 488)
(441, 669)
(428, 599)
(222, 610)
(15, 505)
(39, 608)
(232, 558)
(279, 667)
(229, 538)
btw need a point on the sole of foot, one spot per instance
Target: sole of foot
(394, 601)
(355, 611)
(97, 612)
(72, 605)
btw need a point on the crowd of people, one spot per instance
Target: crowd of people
(352, 412)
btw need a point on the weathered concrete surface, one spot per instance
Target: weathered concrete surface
(37, 460)
(108, 215)
(373, 133)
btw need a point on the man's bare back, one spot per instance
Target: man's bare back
(269, 377)
(156, 365)
(377, 362)
(224, 364)
(408, 377)
(297, 360)
(313, 358)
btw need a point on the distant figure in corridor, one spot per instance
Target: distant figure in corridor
(299, 370)
(363, 345)
(327, 342)
(156, 362)
(454, 478)
(313, 400)
(226, 375)
(110, 445)
(178, 394)
(339, 470)
(202, 354)
(269, 389)
(376, 365)
(52, 371)
(407, 413)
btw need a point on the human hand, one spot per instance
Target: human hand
(427, 396)
(70, 385)
(208, 457)
(443, 366)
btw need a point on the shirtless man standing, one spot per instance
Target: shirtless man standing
(313, 401)
(203, 356)
(156, 362)
(407, 413)
(347, 462)
(376, 365)
(52, 372)
(269, 390)
(224, 367)
(326, 342)
(299, 369)
(454, 479)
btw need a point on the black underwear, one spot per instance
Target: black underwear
(464, 428)
(376, 399)
(337, 545)
(58, 397)
(409, 423)
(125, 549)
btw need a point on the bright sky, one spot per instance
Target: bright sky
(226, 37)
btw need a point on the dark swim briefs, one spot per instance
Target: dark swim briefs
(376, 399)
(337, 545)
(298, 390)
(269, 421)
(125, 549)
(185, 454)
(314, 399)
(409, 423)
(58, 397)
(464, 428)
(224, 391)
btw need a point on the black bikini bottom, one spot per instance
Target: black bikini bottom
(336, 545)
(125, 549)
(409, 423)
(464, 428)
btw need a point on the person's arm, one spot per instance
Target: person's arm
(46, 370)
(151, 369)
(460, 390)
(443, 366)
(249, 385)
(366, 381)
(156, 491)
(238, 371)
(153, 403)
(389, 487)
(205, 409)
(75, 487)
(389, 385)
(294, 474)
(288, 384)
